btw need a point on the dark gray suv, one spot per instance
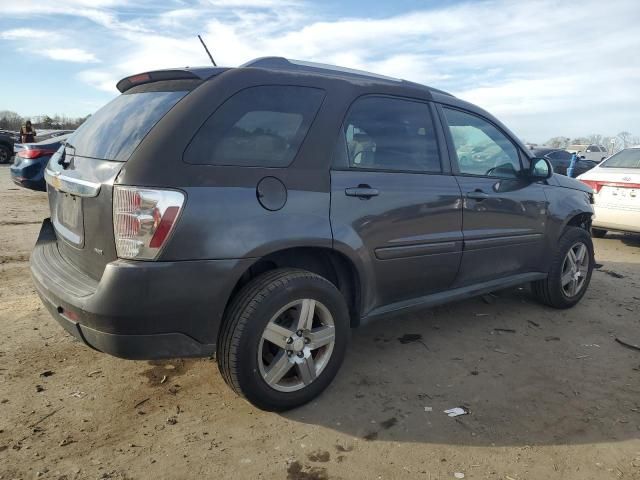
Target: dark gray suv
(258, 213)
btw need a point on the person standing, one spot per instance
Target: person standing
(27, 133)
(573, 164)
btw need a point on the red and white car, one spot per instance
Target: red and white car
(616, 187)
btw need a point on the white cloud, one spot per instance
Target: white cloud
(28, 34)
(545, 67)
(68, 55)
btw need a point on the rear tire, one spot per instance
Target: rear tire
(306, 320)
(598, 232)
(570, 273)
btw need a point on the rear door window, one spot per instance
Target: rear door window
(391, 134)
(257, 127)
(114, 131)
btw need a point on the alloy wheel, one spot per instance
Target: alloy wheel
(296, 345)
(575, 269)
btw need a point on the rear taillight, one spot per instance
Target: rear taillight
(597, 186)
(34, 153)
(143, 218)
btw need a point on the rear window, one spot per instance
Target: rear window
(629, 158)
(257, 127)
(114, 131)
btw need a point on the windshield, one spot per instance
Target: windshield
(114, 131)
(629, 158)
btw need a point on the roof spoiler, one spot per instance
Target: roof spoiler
(196, 73)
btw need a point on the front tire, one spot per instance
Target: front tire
(283, 339)
(570, 272)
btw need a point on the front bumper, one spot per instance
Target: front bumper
(136, 310)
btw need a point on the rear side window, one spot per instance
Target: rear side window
(629, 158)
(559, 155)
(257, 127)
(114, 131)
(391, 134)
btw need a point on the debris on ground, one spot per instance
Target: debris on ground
(458, 475)
(612, 273)
(632, 346)
(412, 338)
(172, 420)
(67, 441)
(504, 330)
(551, 339)
(164, 379)
(428, 409)
(45, 417)
(95, 372)
(489, 298)
(535, 324)
(409, 338)
(457, 411)
(141, 402)
(47, 373)
(39, 388)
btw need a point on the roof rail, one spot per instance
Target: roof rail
(281, 63)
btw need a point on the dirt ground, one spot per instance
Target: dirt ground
(553, 396)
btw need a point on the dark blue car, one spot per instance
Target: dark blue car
(31, 159)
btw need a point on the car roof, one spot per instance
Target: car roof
(545, 150)
(327, 70)
(279, 64)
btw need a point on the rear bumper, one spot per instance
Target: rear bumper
(625, 220)
(29, 175)
(137, 310)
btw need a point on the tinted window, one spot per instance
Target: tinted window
(559, 155)
(259, 126)
(629, 158)
(391, 134)
(481, 148)
(114, 131)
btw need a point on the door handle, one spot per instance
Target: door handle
(477, 195)
(361, 191)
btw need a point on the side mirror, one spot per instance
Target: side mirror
(541, 169)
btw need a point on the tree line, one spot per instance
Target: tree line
(613, 143)
(12, 121)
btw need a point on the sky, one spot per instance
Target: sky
(544, 67)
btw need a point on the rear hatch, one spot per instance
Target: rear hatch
(80, 176)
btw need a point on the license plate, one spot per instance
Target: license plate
(67, 216)
(69, 211)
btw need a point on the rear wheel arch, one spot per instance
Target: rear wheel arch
(326, 262)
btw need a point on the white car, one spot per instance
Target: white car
(616, 192)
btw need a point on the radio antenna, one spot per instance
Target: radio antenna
(207, 50)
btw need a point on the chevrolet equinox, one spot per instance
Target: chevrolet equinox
(259, 213)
